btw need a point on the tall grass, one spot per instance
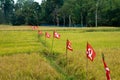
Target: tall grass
(23, 40)
(26, 67)
(19, 42)
(103, 41)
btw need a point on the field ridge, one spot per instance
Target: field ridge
(50, 57)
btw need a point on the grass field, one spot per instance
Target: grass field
(24, 56)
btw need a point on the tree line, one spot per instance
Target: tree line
(61, 12)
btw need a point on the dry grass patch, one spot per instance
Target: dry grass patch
(26, 67)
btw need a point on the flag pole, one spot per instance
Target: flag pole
(45, 38)
(52, 44)
(86, 69)
(38, 37)
(86, 65)
(66, 53)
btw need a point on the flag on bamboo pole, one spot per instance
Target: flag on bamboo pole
(106, 68)
(68, 45)
(47, 35)
(34, 27)
(90, 52)
(56, 35)
(40, 32)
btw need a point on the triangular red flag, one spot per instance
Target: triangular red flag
(47, 35)
(56, 35)
(90, 52)
(106, 68)
(68, 45)
(40, 32)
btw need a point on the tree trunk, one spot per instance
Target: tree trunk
(96, 15)
(53, 20)
(69, 20)
(64, 21)
(86, 18)
(57, 20)
(81, 19)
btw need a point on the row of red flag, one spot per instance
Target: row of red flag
(47, 35)
(90, 52)
(34, 27)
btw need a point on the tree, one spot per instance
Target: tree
(27, 12)
(34, 10)
(6, 10)
(61, 12)
(67, 11)
(50, 11)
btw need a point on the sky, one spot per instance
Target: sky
(39, 1)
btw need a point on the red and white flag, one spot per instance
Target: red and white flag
(90, 52)
(40, 32)
(56, 35)
(34, 27)
(106, 68)
(68, 45)
(47, 35)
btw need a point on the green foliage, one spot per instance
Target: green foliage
(6, 10)
(21, 15)
(50, 11)
(81, 12)
(61, 12)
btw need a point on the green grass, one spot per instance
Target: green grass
(103, 40)
(99, 40)
(20, 40)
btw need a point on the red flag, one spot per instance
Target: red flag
(90, 52)
(47, 35)
(40, 32)
(34, 27)
(106, 68)
(68, 45)
(56, 35)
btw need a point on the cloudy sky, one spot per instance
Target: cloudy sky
(34, 0)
